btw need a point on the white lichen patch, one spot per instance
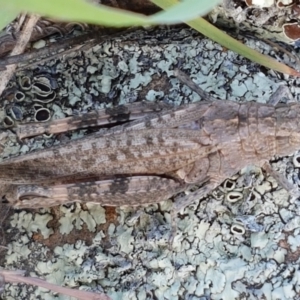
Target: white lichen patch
(241, 242)
(32, 223)
(18, 250)
(76, 217)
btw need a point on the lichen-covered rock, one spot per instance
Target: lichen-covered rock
(222, 249)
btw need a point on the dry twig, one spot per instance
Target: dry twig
(19, 48)
(18, 277)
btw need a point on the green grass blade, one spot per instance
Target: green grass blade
(84, 11)
(6, 16)
(224, 39)
(186, 10)
(77, 10)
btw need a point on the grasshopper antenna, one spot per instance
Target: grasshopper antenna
(185, 79)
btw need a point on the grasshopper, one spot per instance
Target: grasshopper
(159, 152)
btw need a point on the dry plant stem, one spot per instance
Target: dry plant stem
(59, 48)
(48, 50)
(19, 48)
(20, 22)
(18, 277)
(54, 56)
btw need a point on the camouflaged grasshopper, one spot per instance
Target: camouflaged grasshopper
(153, 156)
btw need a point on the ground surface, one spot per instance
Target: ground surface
(125, 252)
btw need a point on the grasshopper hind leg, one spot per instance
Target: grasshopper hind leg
(130, 191)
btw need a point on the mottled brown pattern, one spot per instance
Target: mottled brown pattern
(136, 164)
